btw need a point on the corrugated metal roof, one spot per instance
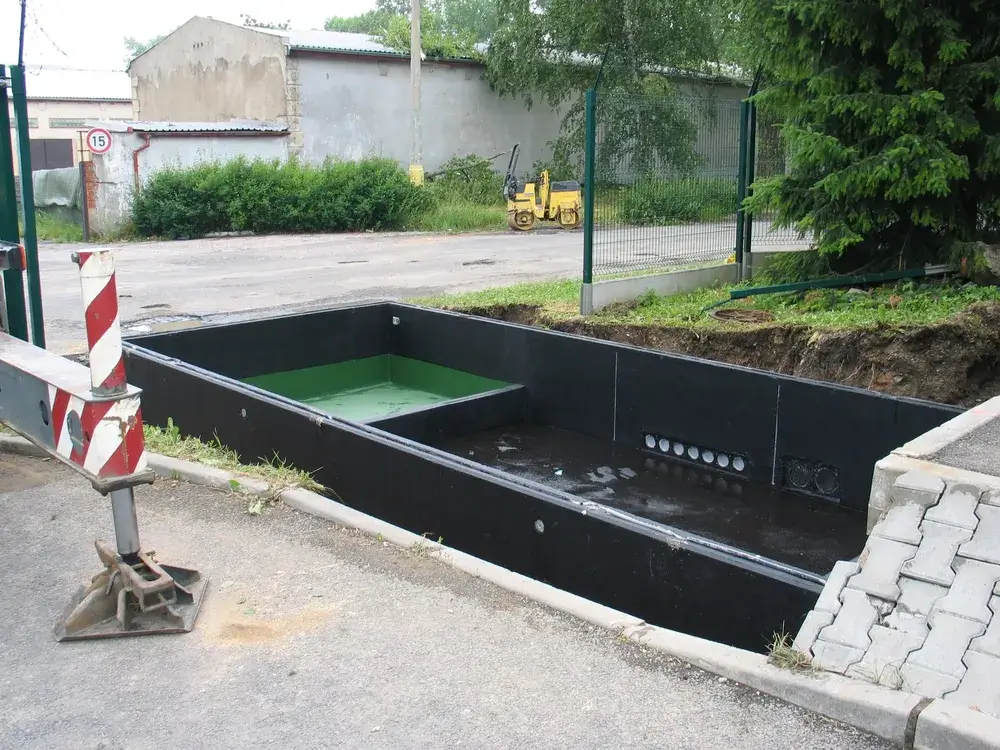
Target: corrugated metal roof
(335, 41)
(233, 126)
(53, 82)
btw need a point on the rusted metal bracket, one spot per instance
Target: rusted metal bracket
(135, 596)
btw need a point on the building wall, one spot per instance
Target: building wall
(211, 71)
(353, 107)
(65, 119)
(112, 185)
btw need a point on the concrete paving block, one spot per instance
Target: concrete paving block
(901, 524)
(881, 562)
(989, 643)
(908, 622)
(806, 637)
(917, 487)
(985, 542)
(947, 726)
(970, 594)
(833, 657)
(980, 688)
(932, 563)
(851, 625)
(829, 598)
(992, 497)
(957, 506)
(943, 650)
(927, 682)
(919, 597)
(888, 652)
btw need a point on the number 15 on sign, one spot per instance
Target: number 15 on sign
(99, 141)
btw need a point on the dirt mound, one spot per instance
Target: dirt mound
(956, 361)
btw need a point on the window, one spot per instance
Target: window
(51, 153)
(66, 122)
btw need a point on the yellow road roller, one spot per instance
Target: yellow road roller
(540, 199)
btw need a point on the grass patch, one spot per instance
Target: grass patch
(908, 303)
(278, 474)
(458, 216)
(781, 654)
(53, 229)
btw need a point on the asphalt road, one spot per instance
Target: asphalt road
(230, 278)
(314, 636)
(237, 277)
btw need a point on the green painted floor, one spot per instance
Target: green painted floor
(363, 390)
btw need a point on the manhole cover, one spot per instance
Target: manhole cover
(736, 315)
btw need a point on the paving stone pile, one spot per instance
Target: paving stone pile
(920, 609)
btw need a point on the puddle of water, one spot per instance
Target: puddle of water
(799, 531)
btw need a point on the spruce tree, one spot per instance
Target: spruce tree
(892, 123)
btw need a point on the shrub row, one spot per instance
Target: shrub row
(678, 201)
(271, 197)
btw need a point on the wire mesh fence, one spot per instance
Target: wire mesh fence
(664, 180)
(769, 159)
(667, 174)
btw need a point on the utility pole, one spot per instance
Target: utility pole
(416, 157)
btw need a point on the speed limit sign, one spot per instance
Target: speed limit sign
(99, 140)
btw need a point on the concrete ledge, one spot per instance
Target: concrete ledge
(955, 428)
(209, 476)
(946, 726)
(604, 293)
(878, 710)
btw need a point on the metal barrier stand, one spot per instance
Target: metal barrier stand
(90, 419)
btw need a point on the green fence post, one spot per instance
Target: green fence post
(586, 290)
(28, 204)
(751, 171)
(741, 186)
(13, 281)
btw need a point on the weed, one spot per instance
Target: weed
(781, 654)
(53, 229)
(462, 216)
(276, 472)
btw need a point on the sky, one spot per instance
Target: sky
(88, 34)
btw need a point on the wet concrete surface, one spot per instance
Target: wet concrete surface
(792, 529)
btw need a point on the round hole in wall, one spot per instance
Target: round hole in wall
(722, 460)
(707, 456)
(679, 449)
(693, 453)
(739, 464)
(664, 445)
(799, 476)
(243, 413)
(650, 441)
(540, 526)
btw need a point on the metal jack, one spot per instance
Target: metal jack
(133, 595)
(92, 422)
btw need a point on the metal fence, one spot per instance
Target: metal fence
(664, 179)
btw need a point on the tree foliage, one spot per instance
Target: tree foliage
(256, 23)
(892, 113)
(549, 50)
(135, 47)
(448, 28)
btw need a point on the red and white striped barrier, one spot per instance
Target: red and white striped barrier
(100, 311)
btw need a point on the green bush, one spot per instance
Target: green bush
(678, 201)
(271, 197)
(468, 179)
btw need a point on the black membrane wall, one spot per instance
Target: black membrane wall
(597, 389)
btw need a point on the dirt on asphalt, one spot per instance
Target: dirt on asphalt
(955, 361)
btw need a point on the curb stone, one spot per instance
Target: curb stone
(947, 726)
(905, 719)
